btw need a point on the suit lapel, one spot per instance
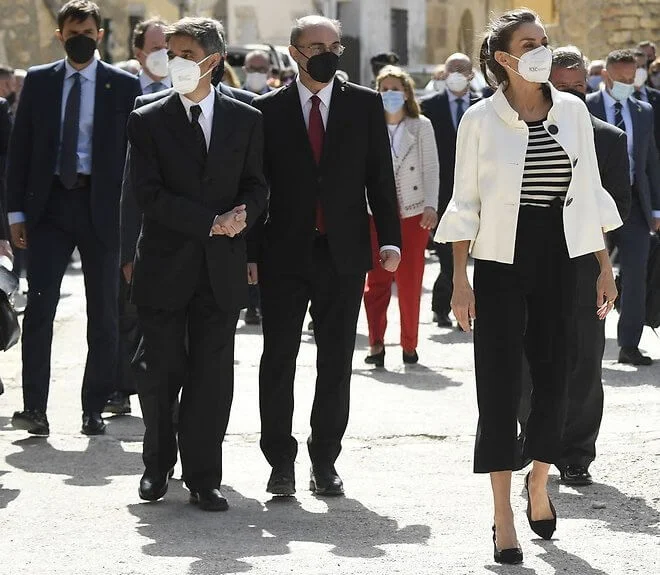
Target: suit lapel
(103, 117)
(407, 140)
(55, 120)
(295, 122)
(223, 126)
(334, 129)
(179, 125)
(636, 115)
(599, 107)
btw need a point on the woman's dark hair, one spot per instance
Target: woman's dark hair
(498, 38)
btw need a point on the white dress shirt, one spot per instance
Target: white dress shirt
(627, 118)
(453, 106)
(206, 117)
(146, 81)
(325, 95)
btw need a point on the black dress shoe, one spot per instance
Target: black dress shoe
(377, 359)
(575, 475)
(153, 486)
(632, 356)
(544, 528)
(512, 556)
(209, 500)
(410, 358)
(252, 316)
(442, 319)
(93, 424)
(325, 481)
(282, 481)
(119, 404)
(34, 422)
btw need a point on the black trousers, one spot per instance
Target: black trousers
(444, 284)
(335, 307)
(204, 373)
(67, 224)
(522, 308)
(130, 335)
(584, 356)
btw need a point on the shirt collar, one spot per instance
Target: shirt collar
(609, 101)
(89, 73)
(206, 104)
(453, 97)
(305, 94)
(146, 81)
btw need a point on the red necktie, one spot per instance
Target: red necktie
(316, 134)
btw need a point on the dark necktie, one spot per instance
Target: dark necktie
(459, 111)
(156, 87)
(316, 134)
(200, 139)
(70, 129)
(619, 122)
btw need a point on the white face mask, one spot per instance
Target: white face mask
(256, 81)
(157, 63)
(535, 65)
(457, 82)
(186, 74)
(641, 75)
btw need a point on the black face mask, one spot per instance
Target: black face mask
(218, 74)
(580, 95)
(322, 67)
(80, 48)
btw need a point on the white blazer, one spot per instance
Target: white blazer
(416, 167)
(490, 159)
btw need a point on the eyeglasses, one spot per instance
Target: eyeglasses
(319, 48)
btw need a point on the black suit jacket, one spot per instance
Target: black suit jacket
(356, 155)
(5, 131)
(35, 140)
(613, 164)
(131, 217)
(436, 109)
(654, 99)
(179, 196)
(645, 153)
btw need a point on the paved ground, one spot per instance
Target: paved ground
(69, 505)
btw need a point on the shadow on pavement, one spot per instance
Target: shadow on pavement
(565, 562)
(515, 569)
(617, 375)
(7, 495)
(418, 377)
(103, 458)
(253, 529)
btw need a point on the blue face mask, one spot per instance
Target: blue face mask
(393, 101)
(594, 82)
(621, 91)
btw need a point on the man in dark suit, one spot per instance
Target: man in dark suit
(645, 93)
(315, 244)
(445, 110)
(195, 168)
(586, 338)
(64, 176)
(5, 131)
(615, 105)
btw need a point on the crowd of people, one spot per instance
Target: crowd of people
(175, 185)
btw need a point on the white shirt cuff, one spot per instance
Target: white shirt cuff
(656, 213)
(15, 218)
(393, 248)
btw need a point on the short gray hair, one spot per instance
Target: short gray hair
(307, 22)
(569, 58)
(209, 33)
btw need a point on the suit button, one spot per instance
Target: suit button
(569, 201)
(553, 129)
(414, 187)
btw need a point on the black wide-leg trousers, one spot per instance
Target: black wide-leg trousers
(523, 308)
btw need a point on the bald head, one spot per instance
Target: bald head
(458, 63)
(314, 23)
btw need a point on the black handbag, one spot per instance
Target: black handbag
(10, 330)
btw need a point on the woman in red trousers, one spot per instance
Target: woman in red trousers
(415, 160)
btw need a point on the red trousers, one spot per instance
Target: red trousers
(408, 278)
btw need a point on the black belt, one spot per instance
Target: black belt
(82, 181)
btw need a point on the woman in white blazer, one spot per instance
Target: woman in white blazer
(416, 171)
(527, 199)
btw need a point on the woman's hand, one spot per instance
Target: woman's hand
(606, 292)
(462, 304)
(429, 219)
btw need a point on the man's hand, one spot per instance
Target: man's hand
(253, 274)
(5, 249)
(390, 260)
(656, 224)
(230, 223)
(429, 219)
(127, 270)
(18, 235)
